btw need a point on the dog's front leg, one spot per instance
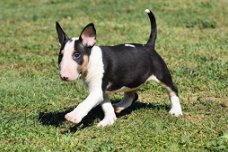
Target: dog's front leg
(109, 114)
(94, 98)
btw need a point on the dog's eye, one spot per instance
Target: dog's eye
(77, 55)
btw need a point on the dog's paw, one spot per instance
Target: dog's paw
(108, 120)
(72, 117)
(176, 112)
(117, 109)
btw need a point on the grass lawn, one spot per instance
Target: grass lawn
(192, 38)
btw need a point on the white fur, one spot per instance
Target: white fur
(94, 81)
(175, 104)
(154, 78)
(95, 69)
(123, 89)
(68, 67)
(84, 107)
(147, 11)
(75, 38)
(126, 89)
(130, 45)
(109, 114)
(174, 99)
(109, 85)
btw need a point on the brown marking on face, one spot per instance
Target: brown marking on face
(83, 67)
(62, 51)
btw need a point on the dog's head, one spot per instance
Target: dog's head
(74, 52)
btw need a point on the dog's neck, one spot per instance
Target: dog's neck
(95, 68)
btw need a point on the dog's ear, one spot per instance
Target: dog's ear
(61, 34)
(88, 35)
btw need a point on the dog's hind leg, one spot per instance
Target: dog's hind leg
(109, 114)
(166, 81)
(174, 99)
(129, 98)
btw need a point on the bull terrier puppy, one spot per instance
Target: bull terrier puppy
(123, 67)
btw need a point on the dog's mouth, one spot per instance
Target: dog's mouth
(80, 75)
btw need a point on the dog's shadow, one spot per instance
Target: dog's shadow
(56, 118)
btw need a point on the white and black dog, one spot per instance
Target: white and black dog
(123, 67)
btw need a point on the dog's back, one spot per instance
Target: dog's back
(126, 66)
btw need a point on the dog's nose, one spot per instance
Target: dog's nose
(64, 75)
(64, 78)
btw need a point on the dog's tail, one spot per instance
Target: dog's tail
(153, 34)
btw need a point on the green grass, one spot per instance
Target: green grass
(192, 38)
